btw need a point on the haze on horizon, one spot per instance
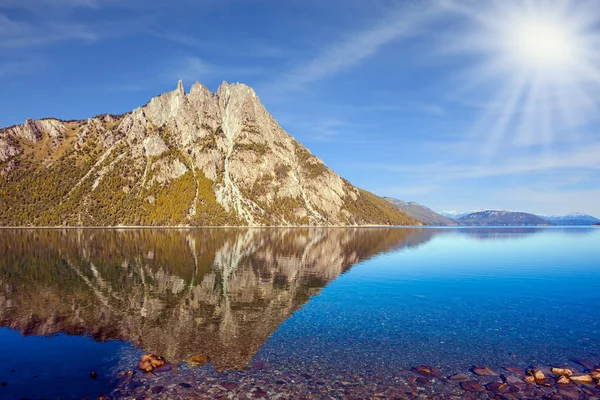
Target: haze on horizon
(449, 103)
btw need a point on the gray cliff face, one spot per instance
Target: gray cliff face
(225, 146)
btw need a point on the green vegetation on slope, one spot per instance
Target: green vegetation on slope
(370, 209)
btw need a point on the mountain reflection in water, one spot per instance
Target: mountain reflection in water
(220, 292)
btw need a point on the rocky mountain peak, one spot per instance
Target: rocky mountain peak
(200, 158)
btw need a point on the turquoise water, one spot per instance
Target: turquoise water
(494, 297)
(381, 299)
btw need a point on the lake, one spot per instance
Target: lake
(284, 312)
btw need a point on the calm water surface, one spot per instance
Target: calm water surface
(372, 299)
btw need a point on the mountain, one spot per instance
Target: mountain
(456, 214)
(197, 158)
(571, 219)
(502, 218)
(422, 213)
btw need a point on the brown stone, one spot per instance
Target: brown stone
(484, 371)
(512, 380)
(562, 371)
(538, 375)
(423, 380)
(427, 370)
(198, 360)
(529, 379)
(515, 370)
(563, 380)
(157, 362)
(164, 368)
(595, 374)
(581, 379)
(471, 386)
(459, 377)
(145, 366)
(150, 361)
(498, 387)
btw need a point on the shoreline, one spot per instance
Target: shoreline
(262, 380)
(180, 227)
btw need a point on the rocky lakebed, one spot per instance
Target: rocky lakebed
(264, 380)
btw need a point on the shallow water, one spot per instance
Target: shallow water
(347, 300)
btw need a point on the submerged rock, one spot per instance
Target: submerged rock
(428, 370)
(484, 371)
(498, 387)
(472, 386)
(459, 377)
(563, 380)
(163, 368)
(198, 360)
(512, 380)
(515, 370)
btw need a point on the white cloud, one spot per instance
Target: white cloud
(18, 67)
(358, 46)
(191, 69)
(584, 157)
(552, 201)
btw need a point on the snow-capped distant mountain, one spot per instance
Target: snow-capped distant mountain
(456, 214)
(503, 218)
(572, 219)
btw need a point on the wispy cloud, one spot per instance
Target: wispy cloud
(358, 46)
(190, 69)
(36, 4)
(241, 49)
(407, 192)
(17, 67)
(421, 107)
(553, 200)
(585, 157)
(317, 129)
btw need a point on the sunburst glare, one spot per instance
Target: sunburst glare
(543, 55)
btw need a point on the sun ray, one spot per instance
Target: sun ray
(544, 55)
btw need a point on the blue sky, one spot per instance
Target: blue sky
(431, 101)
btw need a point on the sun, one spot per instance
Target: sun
(541, 45)
(541, 60)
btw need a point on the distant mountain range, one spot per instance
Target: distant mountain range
(502, 218)
(456, 214)
(489, 217)
(422, 213)
(572, 219)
